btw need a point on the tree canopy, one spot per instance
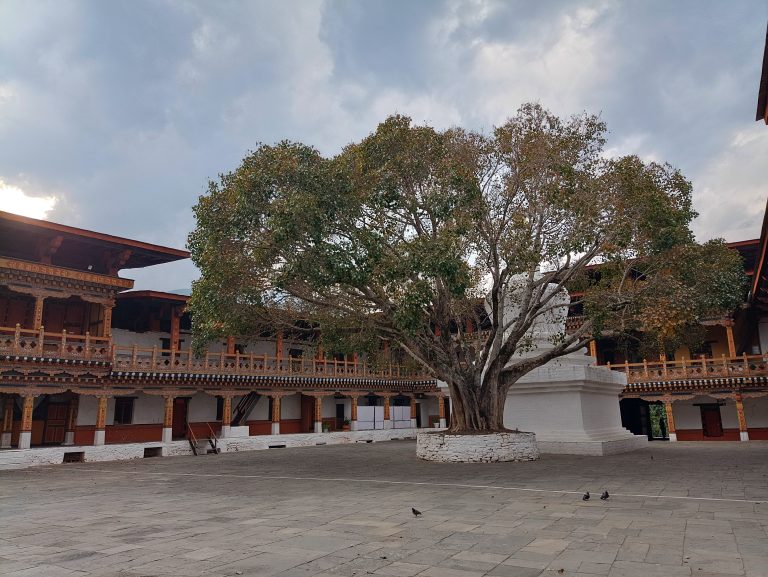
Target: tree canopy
(422, 238)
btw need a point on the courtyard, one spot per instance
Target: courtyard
(675, 509)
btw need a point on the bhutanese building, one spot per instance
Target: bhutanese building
(87, 364)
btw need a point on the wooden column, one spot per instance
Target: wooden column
(226, 412)
(168, 419)
(441, 411)
(353, 412)
(593, 349)
(25, 431)
(318, 414)
(108, 319)
(731, 342)
(72, 407)
(279, 345)
(101, 420)
(230, 345)
(5, 434)
(387, 412)
(38, 318)
(743, 431)
(276, 410)
(414, 409)
(176, 314)
(670, 421)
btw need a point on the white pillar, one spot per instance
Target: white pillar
(413, 424)
(353, 425)
(167, 435)
(5, 441)
(443, 423)
(275, 428)
(69, 438)
(318, 426)
(672, 437)
(744, 435)
(25, 439)
(98, 437)
(225, 430)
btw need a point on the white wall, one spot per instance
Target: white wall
(756, 412)
(290, 407)
(688, 415)
(86, 411)
(147, 410)
(762, 332)
(202, 407)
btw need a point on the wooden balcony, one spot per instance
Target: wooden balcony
(18, 342)
(142, 360)
(22, 346)
(702, 371)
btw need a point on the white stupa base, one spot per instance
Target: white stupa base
(573, 407)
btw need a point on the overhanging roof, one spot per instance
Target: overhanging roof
(18, 232)
(762, 95)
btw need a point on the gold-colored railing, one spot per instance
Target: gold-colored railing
(690, 369)
(39, 343)
(136, 359)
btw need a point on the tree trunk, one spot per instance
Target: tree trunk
(478, 408)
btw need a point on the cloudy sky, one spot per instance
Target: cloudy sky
(116, 113)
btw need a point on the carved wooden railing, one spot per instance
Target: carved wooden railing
(694, 369)
(136, 359)
(39, 343)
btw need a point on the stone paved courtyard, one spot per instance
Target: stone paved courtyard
(684, 509)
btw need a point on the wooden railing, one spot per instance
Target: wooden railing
(690, 369)
(39, 343)
(135, 359)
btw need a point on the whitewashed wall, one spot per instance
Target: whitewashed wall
(688, 414)
(756, 412)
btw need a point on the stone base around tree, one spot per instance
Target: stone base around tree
(482, 448)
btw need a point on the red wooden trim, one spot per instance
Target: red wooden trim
(698, 435)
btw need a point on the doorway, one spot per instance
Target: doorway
(180, 407)
(711, 421)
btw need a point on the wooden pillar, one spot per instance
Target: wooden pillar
(279, 345)
(731, 342)
(176, 313)
(670, 421)
(353, 412)
(108, 319)
(318, 414)
(743, 431)
(414, 409)
(38, 318)
(226, 415)
(593, 349)
(72, 407)
(387, 412)
(230, 345)
(25, 432)
(101, 421)
(276, 410)
(5, 434)
(168, 419)
(441, 411)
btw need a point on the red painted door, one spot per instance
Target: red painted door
(307, 414)
(55, 424)
(179, 429)
(711, 421)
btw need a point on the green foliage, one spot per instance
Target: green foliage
(411, 233)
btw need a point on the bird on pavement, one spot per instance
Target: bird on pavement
(585, 497)
(604, 496)
(415, 512)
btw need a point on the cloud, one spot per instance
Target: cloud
(13, 199)
(123, 111)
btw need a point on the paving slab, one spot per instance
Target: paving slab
(345, 510)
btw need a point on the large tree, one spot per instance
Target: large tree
(423, 238)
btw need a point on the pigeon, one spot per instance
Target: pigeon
(604, 496)
(415, 512)
(585, 497)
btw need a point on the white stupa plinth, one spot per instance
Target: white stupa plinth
(571, 404)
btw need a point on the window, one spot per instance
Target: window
(124, 410)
